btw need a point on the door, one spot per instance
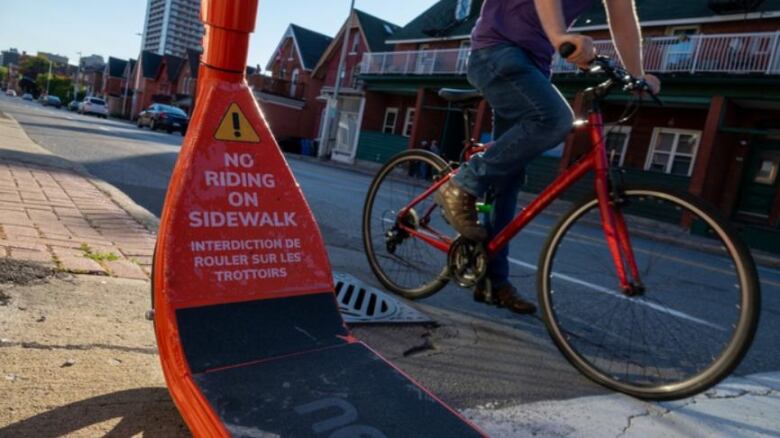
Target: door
(347, 130)
(760, 184)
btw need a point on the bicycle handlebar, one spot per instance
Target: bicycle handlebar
(617, 74)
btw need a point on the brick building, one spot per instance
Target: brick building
(117, 89)
(716, 136)
(155, 79)
(365, 34)
(187, 82)
(288, 96)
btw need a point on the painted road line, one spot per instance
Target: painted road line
(608, 291)
(737, 407)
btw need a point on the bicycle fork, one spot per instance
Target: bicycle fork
(612, 220)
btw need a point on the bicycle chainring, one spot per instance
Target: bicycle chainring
(467, 261)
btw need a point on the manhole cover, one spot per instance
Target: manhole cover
(360, 303)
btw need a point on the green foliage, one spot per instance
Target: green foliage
(59, 86)
(97, 255)
(3, 73)
(34, 66)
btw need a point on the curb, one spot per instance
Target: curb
(137, 212)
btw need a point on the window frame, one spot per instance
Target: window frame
(408, 125)
(390, 110)
(620, 129)
(355, 46)
(673, 152)
(465, 6)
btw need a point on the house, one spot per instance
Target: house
(116, 85)
(154, 80)
(288, 96)
(716, 136)
(365, 34)
(186, 87)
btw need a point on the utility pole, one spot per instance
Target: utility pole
(335, 111)
(76, 82)
(48, 78)
(127, 86)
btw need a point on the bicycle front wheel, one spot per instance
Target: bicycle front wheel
(696, 318)
(403, 263)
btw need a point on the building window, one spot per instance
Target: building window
(354, 78)
(617, 142)
(462, 10)
(355, 43)
(767, 172)
(294, 83)
(673, 151)
(408, 122)
(391, 116)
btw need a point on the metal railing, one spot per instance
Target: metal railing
(737, 53)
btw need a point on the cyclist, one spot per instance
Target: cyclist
(513, 44)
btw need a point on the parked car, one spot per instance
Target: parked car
(94, 105)
(73, 105)
(52, 101)
(27, 96)
(166, 117)
(10, 92)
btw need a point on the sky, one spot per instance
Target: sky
(110, 27)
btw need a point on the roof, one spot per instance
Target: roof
(150, 64)
(116, 67)
(664, 10)
(311, 45)
(174, 64)
(439, 22)
(377, 31)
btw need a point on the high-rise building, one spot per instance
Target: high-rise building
(172, 26)
(10, 56)
(92, 62)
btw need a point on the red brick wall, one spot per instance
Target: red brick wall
(352, 59)
(377, 104)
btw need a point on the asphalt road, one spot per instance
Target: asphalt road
(519, 362)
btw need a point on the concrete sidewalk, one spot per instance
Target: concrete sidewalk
(52, 212)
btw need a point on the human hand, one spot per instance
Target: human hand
(584, 53)
(653, 82)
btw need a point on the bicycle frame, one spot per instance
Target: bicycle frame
(613, 223)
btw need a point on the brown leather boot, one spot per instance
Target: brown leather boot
(505, 296)
(460, 210)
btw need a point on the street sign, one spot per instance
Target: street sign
(235, 127)
(249, 332)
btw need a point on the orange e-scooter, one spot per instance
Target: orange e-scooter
(250, 337)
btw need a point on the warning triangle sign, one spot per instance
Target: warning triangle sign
(235, 127)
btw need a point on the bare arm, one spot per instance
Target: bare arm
(624, 25)
(627, 35)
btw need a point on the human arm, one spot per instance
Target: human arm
(551, 16)
(627, 35)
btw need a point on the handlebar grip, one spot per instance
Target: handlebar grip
(567, 49)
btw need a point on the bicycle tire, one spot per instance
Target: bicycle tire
(372, 231)
(572, 344)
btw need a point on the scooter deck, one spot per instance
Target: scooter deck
(288, 367)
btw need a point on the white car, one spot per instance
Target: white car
(94, 105)
(10, 92)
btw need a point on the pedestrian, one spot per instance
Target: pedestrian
(418, 170)
(513, 43)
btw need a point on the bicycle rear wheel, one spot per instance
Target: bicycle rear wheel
(696, 318)
(404, 264)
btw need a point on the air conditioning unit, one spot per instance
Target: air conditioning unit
(733, 6)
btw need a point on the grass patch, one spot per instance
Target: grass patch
(97, 255)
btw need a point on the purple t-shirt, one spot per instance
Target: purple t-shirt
(516, 22)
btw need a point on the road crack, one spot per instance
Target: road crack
(78, 347)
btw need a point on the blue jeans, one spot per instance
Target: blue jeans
(530, 116)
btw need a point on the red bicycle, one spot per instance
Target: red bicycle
(644, 289)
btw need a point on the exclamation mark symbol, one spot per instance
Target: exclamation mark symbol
(236, 126)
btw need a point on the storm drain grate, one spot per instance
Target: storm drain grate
(360, 303)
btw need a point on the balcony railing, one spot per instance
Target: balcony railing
(743, 53)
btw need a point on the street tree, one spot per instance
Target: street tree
(34, 66)
(60, 86)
